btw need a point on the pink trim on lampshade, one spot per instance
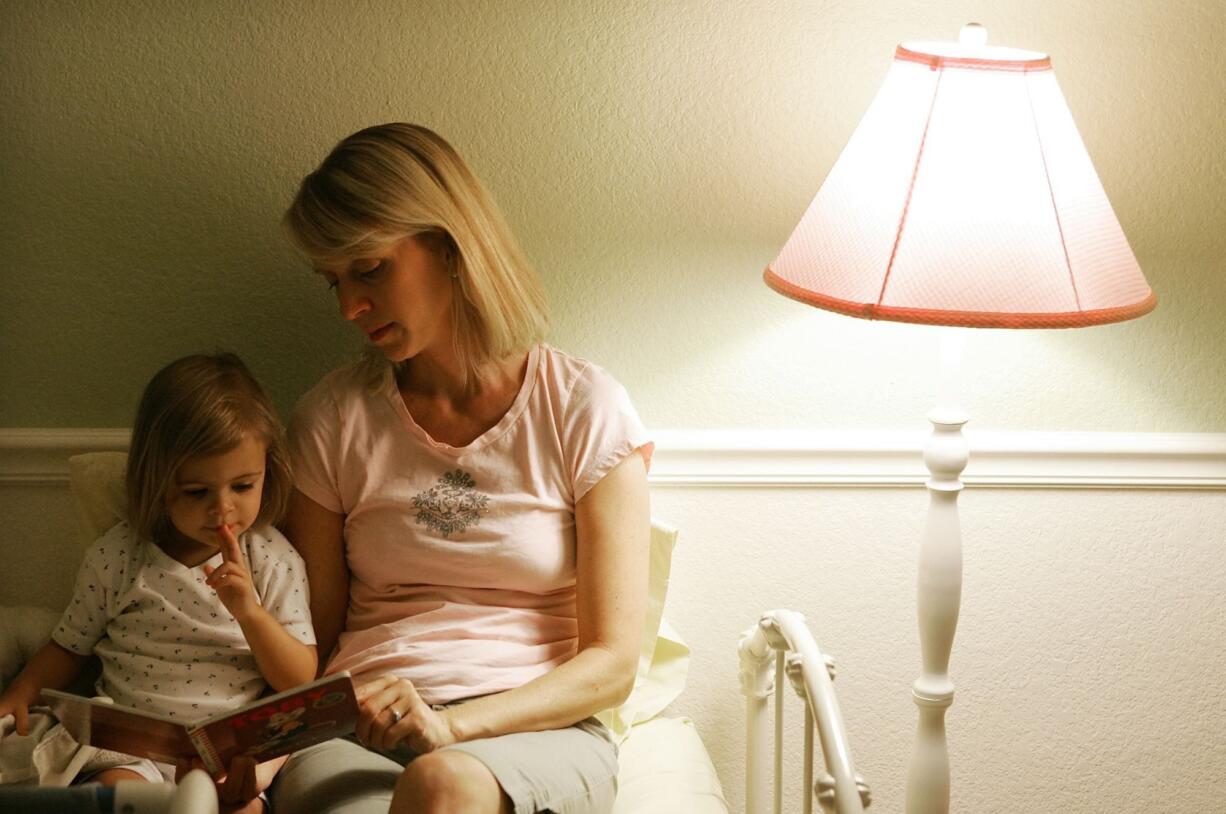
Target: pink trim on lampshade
(965, 197)
(961, 319)
(938, 61)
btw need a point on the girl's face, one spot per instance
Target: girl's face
(218, 489)
(401, 298)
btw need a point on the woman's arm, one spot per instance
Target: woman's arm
(53, 667)
(319, 536)
(613, 527)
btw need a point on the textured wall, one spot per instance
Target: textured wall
(1087, 665)
(653, 157)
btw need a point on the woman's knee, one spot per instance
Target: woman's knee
(448, 781)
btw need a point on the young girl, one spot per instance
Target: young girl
(196, 604)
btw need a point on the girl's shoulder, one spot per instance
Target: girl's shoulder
(119, 543)
(116, 557)
(266, 546)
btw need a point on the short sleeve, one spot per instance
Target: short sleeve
(84, 621)
(279, 572)
(314, 447)
(601, 427)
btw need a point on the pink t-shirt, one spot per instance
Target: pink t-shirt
(462, 558)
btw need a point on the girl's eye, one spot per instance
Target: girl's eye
(243, 487)
(195, 494)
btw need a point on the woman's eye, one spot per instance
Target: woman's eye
(332, 285)
(369, 274)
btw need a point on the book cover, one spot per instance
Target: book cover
(266, 728)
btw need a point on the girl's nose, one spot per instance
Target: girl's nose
(222, 506)
(352, 305)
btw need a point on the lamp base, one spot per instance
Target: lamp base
(938, 598)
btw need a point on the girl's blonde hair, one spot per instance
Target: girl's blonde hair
(200, 406)
(397, 180)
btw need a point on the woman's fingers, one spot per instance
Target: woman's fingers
(387, 703)
(374, 685)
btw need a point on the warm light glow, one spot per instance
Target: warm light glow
(965, 197)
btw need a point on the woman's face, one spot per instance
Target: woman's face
(400, 298)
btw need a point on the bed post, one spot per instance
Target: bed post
(783, 633)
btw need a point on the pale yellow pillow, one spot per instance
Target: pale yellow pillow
(663, 768)
(97, 481)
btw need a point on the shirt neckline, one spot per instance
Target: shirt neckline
(484, 439)
(168, 563)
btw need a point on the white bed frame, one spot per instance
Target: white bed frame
(784, 634)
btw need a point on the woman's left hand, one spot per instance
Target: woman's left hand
(393, 713)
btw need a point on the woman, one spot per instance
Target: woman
(469, 504)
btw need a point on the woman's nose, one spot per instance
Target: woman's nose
(351, 304)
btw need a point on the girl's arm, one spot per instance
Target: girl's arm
(283, 660)
(319, 536)
(51, 667)
(613, 526)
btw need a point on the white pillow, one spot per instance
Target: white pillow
(97, 481)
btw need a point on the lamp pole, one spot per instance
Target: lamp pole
(939, 588)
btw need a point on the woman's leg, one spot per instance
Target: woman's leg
(449, 781)
(335, 777)
(567, 771)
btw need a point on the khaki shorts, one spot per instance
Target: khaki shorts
(568, 771)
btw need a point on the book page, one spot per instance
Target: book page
(120, 729)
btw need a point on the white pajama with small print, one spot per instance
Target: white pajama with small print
(165, 641)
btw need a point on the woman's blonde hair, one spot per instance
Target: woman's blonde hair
(397, 180)
(200, 406)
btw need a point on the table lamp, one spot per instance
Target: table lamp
(965, 197)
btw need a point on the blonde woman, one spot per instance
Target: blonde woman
(471, 504)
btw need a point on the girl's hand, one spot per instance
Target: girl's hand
(232, 580)
(185, 766)
(393, 713)
(245, 780)
(239, 785)
(17, 703)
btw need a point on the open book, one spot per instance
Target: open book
(266, 728)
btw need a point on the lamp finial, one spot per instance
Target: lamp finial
(973, 35)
